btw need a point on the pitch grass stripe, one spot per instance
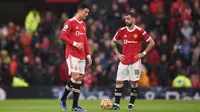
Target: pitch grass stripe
(94, 106)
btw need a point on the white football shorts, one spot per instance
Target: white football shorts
(129, 72)
(75, 65)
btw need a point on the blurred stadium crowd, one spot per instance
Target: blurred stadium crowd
(34, 54)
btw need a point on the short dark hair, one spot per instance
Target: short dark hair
(130, 13)
(82, 6)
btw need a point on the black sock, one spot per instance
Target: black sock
(133, 95)
(68, 88)
(76, 93)
(118, 94)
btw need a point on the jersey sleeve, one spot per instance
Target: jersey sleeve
(145, 36)
(117, 35)
(64, 35)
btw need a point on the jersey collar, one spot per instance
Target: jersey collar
(131, 30)
(77, 20)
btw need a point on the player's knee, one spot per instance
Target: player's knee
(134, 84)
(76, 76)
(119, 84)
(81, 77)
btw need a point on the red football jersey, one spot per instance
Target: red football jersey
(75, 31)
(131, 42)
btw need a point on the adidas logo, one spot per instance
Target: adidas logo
(125, 35)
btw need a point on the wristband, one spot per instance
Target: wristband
(74, 43)
(88, 56)
(144, 52)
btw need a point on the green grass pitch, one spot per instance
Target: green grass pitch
(50, 105)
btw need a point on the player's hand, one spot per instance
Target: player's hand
(89, 61)
(121, 57)
(139, 56)
(79, 46)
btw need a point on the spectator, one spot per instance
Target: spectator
(32, 21)
(196, 5)
(45, 43)
(185, 49)
(153, 57)
(26, 40)
(17, 82)
(38, 75)
(194, 75)
(187, 30)
(5, 77)
(64, 17)
(193, 43)
(63, 74)
(174, 25)
(36, 38)
(3, 41)
(162, 71)
(6, 57)
(198, 35)
(176, 51)
(113, 72)
(148, 18)
(102, 76)
(89, 81)
(13, 65)
(160, 24)
(11, 29)
(165, 46)
(18, 51)
(25, 70)
(177, 6)
(187, 14)
(196, 55)
(155, 6)
(181, 81)
(94, 14)
(144, 79)
(47, 26)
(50, 76)
(195, 80)
(175, 68)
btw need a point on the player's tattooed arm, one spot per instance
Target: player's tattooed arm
(113, 44)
